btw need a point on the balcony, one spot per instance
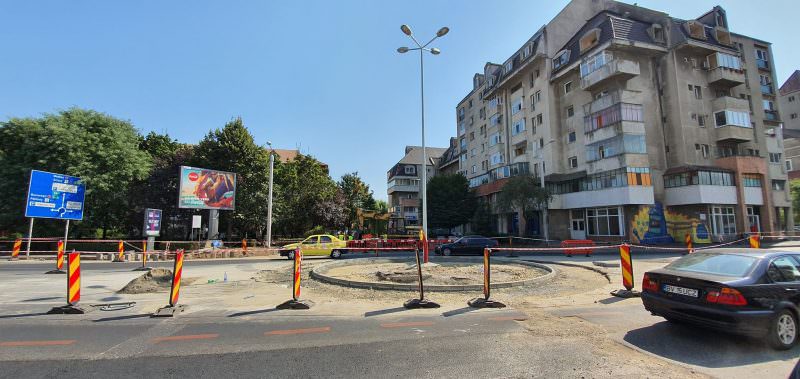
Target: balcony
(402, 188)
(753, 196)
(728, 102)
(762, 64)
(619, 69)
(404, 202)
(700, 194)
(604, 197)
(733, 133)
(766, 89)
(612, 98)
(725, 77)
(771, 116)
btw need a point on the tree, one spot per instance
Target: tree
(356, 195)
(306, 189)
(100, 149)
(483, 219)
(450, 201)
(523, 194)
(794, 187)
(381, 206)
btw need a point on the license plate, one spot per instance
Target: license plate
(680, 290)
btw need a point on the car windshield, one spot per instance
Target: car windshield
(715, 264)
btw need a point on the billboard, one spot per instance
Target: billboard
(206, 189)
(55, 196)
(152, 222)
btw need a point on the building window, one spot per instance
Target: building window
(778, 185)
(470, 103)
(561, 59)
(573, 162)
(774, 157)
(482, 130)
(473, 152)
(723, 60)
(567, 87)
(518, 127)
(751, 181)
(516, 106)
(589, 40)
(508, 66)
(701, 120)
(571, 137)
(788, 164)
(570, 111)
(604, 222)
(471, 136)
(482, 113)
(538, 95)
(520, 149)
(409, 170)
(612, 115)
(595, 62)
(791, 98)
(735, 118)
(704, 150)
(697, 91)
(622, 144)
(474, 169)
(496, 158)
(494, 139)
(793, 116)
(723, 220)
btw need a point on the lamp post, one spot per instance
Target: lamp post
(269, 201)
(423, 48)
(541, 181)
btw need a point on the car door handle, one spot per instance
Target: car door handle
(792, 289)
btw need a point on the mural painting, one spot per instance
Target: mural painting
(652, 225)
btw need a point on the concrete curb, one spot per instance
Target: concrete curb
(320, 273)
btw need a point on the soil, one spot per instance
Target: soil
(155, 280)
(440, 274)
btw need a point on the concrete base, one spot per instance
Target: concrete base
(56, 272)
(69, 310)
(623, 293)
(295, 304)
(169, 311)
(480, 302)
(417, 304)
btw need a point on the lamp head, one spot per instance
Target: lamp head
(442, 31)
(406, 30)
(435, 51)
(402, 50)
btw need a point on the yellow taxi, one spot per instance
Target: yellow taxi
(320, 244)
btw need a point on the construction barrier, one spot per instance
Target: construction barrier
(626, 264)
(420, 302)
(16, 248)
(120, 251)
(755, 241)
(59, 260)
(174, 292)
(295, 302)
(244, 246)
(73, 287)
(571, 245)
(688, 240)
(144, 258)
(485, 302)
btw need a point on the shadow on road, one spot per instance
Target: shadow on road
(384, 311)
(610, 300)
(248, 313)
(706, 348)
(126, 317)
(43, 299)
(20, 315)
(459, 311)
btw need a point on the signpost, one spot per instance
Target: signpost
(55, 196)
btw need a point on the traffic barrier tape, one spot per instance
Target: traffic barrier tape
(73, 278)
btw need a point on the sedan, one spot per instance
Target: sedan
(467, 245)
(748, 292)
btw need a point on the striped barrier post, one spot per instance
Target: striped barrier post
(688, 240)
(295, 302)
(120, 251)
(15, 249)
(59, 259)
(244, 246)
(755, 242)
(175, 289)
(485, 302)
(420, 302)
(144, 258)
(626, 263)
(73, 287)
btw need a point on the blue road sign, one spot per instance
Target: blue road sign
(55, 196)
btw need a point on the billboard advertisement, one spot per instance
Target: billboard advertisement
(206, 189)
(55, 196)
(152, 222)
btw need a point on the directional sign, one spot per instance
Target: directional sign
(152, 222)
(55, 196)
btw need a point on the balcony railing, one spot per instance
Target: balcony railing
(771, 115)
(762, 64)
(767, 89)
(612, 98)
(612, 115)
(621, 68)
(726, 77)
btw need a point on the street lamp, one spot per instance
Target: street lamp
(541, 180)
(422, 48)
(269, 202)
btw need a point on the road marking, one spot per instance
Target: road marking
(186, 337)
(37, 343)
(283, 332)
(406, 324)
(508, 318)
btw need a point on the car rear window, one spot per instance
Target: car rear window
(715, 264)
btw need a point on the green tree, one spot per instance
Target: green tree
(794, 187)
(523, 194)
(100, 149)
(381, 206)
(450, 201)
(356, 195)
(483, 219)
(305, 187)
(233, 149)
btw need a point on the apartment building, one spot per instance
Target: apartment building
(789, 100)
(403, 186)
(646, 127)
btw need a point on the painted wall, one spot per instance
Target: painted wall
(654, 225)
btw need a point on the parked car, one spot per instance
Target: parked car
(467, 245)
(320, 244)
(748, 292)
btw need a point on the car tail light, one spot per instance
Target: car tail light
(649, 285)
(727, 296)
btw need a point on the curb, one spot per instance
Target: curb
(319, 273)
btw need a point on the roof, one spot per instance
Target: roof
(414, 154)
(450, 155)
(792, 84)
(286, 155)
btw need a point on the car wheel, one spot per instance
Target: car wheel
(447, 252)
(336, 254)
(783, 331)
(290, 255)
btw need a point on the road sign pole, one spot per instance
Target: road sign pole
(30, 235)
(66, 234)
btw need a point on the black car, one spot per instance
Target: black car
(748, 292)
(467, 245)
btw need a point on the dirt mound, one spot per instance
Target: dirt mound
(155, 280)
(439, 274)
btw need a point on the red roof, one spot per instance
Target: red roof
(792, 84)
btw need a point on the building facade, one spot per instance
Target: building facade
(789, 100)
(645, 127)
(403, 182)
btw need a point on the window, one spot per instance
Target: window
(762, 54)
(474, 169)
(409, 170)
(516, 106)
(496, 158)
(768, 105)
(612, 115)
(471, 136)
(460, 113)
(463, 144)
(482, 130)
(723, 220)
(735, 118)
(561, 59)
(778, 185)
(723, 60)
(495, 138)
(518, 127)
(788, 164)
(470, 103)
(784, 269)
(791, 98)
(595, 62)
(571, 137)
(701, 120)
(622, 144)
(567, 87)
(520, 149)
(603, 222)
(698, 93)
(495, 119)
(325, 239)
(751, 180)
(482, 113)
(538, 95)
(658, 33)
(774, 157)
(508, 66)
(539, 119)
(793, 116)
(589, 40)
(573, 162)
(570, 111)
(473, 152)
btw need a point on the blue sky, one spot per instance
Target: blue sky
(321, 75)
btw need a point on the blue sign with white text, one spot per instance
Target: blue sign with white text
(55, 196)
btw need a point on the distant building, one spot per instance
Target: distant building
(448, 164)
(789, 100)
(288, 155)
(403, 186)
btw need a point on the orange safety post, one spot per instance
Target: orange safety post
(420, 302)
(424, 242)
(144, 258)
(73, 287)
(295, 302)
(244, 246)
(627, 273)
(175, 289)
(485, 302)
(755, 242)
(59, 259)
(688, 241)
(15, 249)
(120, 251)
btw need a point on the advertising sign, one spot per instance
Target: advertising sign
(55, 196)
(206, 189)
(152, 222)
